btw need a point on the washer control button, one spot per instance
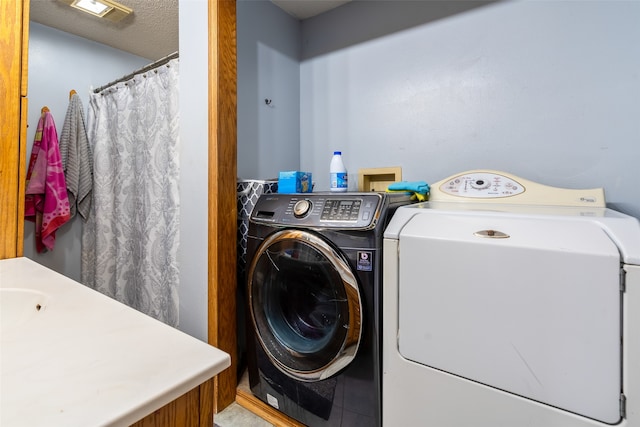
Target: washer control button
(301, 208)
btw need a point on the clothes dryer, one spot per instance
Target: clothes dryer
(314, 284)
(510, 303)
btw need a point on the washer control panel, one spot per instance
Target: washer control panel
(482, 185)
(350, 210)
(343, 210)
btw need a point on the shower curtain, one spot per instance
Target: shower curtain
(130, 241)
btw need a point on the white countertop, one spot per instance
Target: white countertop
(84, 359)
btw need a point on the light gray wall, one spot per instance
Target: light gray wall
(194, 167)
(58, 63)
(268, 68)
(547, 90)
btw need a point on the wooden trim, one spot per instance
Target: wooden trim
(24, 115)
(15, 14)
(24, 81)
(22, 174)
(222, 192)
(247, 400)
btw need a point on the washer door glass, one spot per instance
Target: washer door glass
(305, 305)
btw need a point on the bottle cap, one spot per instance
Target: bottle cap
(337, 152)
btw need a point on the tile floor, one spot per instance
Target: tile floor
(235, 415)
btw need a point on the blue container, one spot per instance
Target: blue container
(294, 182)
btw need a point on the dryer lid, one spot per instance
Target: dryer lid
(622, 229)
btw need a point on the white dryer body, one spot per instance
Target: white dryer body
(506, 313)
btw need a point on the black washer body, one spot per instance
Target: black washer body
(313, 304)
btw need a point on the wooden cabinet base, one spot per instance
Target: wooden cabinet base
(192, 409)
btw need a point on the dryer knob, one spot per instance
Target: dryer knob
(301, 208)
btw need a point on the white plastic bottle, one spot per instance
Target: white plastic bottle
(339, 176)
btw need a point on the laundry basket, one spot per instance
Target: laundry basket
(249, 190)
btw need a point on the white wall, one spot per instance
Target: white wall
(547, 90)
(194, 167)
(58, 63)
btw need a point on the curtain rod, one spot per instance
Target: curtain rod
(144, 69)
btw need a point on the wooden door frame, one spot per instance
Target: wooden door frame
(14, 44)
(222, 227)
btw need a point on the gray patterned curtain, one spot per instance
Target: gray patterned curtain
(130, 241)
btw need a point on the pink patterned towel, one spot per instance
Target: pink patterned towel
(46, 201)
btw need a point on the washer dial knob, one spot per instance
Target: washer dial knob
(301, 208)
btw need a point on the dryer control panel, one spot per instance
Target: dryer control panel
(482, 185)
(488, 186)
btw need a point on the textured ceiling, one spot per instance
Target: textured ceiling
(152, 30)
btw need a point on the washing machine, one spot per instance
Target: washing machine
(313, 286)
(511, 303)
